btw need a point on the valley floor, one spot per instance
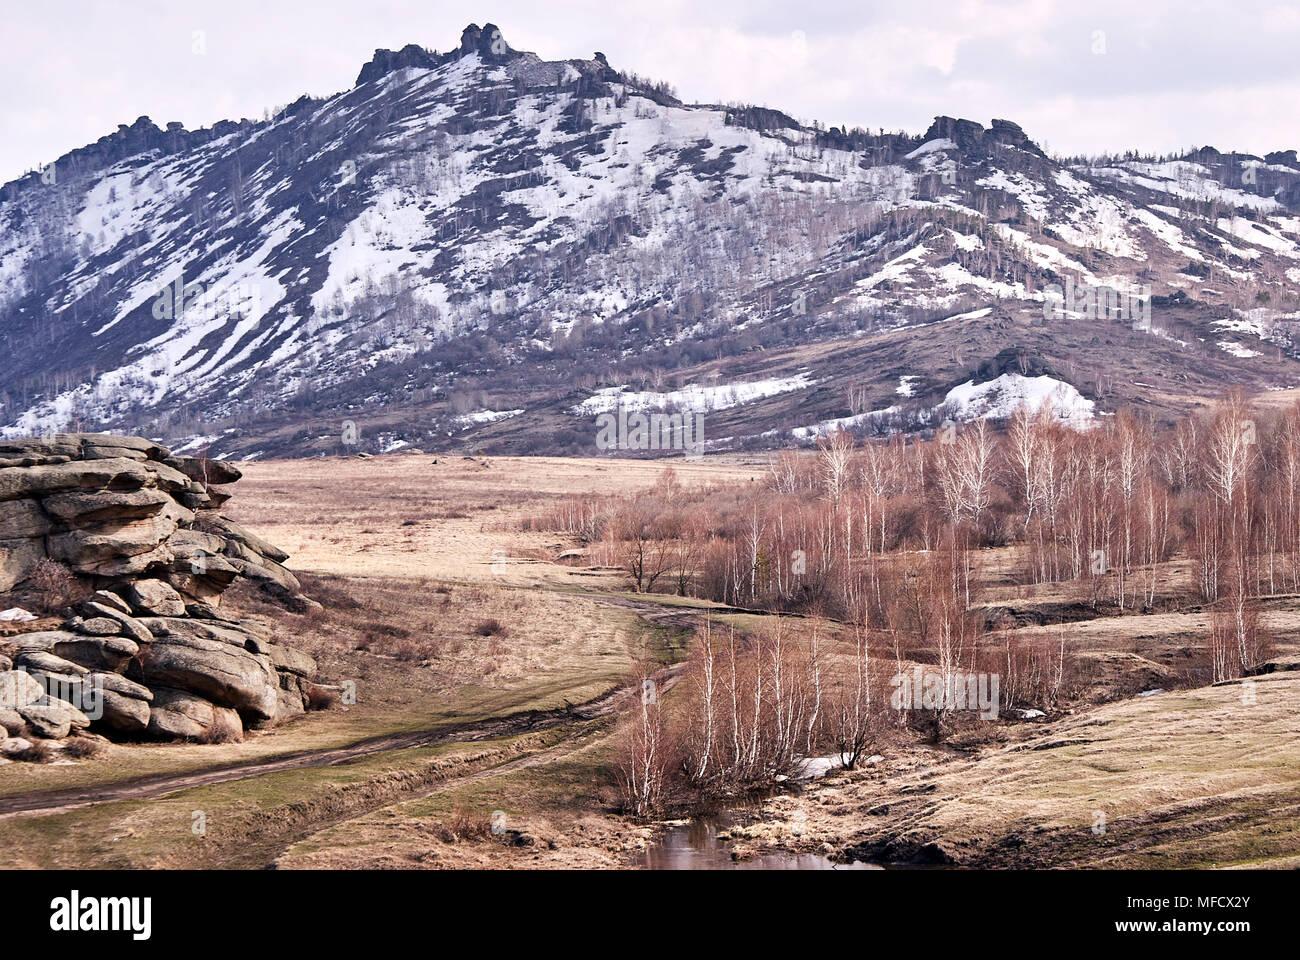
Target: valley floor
(490, 665)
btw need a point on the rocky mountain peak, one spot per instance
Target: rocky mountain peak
(488, 42)
(972, 139)
(385, 62)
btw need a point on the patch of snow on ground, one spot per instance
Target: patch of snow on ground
(1237, 349)
(827, 427)
(999, 399)
(692, 397)
(486, 416)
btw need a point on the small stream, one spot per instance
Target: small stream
(696, 846)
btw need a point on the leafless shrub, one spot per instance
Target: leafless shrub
(55, 588)
(321, 698)
(82, 748)
(40, 751)
(224, 729)
(464, 825)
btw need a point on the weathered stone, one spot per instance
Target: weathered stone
(110, 599)
(120, 685)
(98, 653)
(206, 471)
(181, 628)
(154, 451)
(227, 675)
(92, 549)
(105, 453)
(40, 640)
(78, 719)
(128, 566)
(9, 719)
(234, 531)
(289, 705)
(171, 479)
(43, 449)
(180, 714)
(284, 658)
(124, 714)
(5, 664)
(120, 508)
(194, 500)
(155, 598)
(269, 577)
(215, 498)
(18, 689)
(43, 480)
(95, 507)
(49, 722)
(34, 660)
(14, 747)
(132, 627)
(95, 626)
(22, 519)
(186, 543)
(17, 558)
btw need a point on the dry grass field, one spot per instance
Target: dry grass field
(488, 659)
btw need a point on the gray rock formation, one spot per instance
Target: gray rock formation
(148, 653)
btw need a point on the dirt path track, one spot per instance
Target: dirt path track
(143, 788)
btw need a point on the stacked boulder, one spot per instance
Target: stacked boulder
(112, 507)
(148, 653)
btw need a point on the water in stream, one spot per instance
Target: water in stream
(696, 846)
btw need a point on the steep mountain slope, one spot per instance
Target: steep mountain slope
(467, 247)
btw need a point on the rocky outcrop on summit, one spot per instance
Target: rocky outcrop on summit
(488, 42)
(148, 652)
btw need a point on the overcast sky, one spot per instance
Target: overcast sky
(1080, 78)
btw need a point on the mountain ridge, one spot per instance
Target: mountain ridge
(481, 231)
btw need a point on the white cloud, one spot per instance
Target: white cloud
(1174, 74)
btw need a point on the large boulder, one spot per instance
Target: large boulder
(116, 548)
(123, 714)
(95, 626)
(46, 662)
(117, 703)
(217, 670)
(131, 627)
(93, 507)
(285, 659)
(14, 747)
(233, 531)
(110, 599)
(113, 474)
(154, 598)
(53, 719)
(206, 471)
(179, 714)
(59, 448)
(108, 654)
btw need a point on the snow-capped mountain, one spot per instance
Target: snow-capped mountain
(485, 247)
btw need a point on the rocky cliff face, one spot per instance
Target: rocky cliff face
(147, 653)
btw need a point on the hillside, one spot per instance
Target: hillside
(466, 248)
